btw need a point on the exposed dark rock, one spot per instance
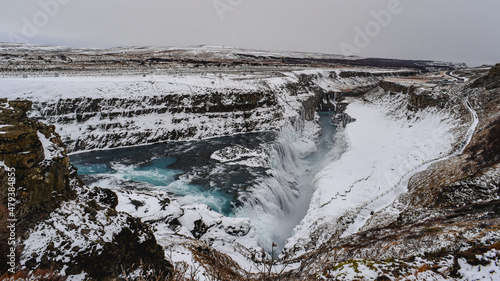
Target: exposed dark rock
(109, 199)
(199, 229)
(126, 253)
(490, 81)
(44, 183)
(353, 74)
(41, 184)
(342, 119)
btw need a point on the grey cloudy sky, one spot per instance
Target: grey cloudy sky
(449, 30)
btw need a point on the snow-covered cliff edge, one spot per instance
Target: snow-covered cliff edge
(56, 222)
(105, 112)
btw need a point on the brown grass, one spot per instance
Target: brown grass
(38, 274)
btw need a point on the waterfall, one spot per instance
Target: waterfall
(279, 202)
(275, 201)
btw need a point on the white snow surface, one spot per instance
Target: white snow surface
(383, 145)
(233, 236)
(239, 155)
(473, 273)
(50, 88)
(50, 150)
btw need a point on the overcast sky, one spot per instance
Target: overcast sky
(448, 30)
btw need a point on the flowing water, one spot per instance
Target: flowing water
(182, 169)
(275, 195)
(277, 204)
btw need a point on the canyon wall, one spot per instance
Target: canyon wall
(99, 113)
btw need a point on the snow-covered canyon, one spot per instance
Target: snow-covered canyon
(273, 163)
(374, 154)
(94, 113)
(106, 112)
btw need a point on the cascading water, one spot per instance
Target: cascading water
(277, 204)
(275, 198)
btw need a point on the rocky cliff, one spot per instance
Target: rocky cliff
(44, 178)
(447, 223)
(419, 97)
(56, 221)
(116, 122)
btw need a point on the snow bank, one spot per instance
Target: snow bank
(384, 144)
(239, 155)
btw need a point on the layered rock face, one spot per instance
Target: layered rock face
(61, 224)
(418, 98)
(125, 121)
(97, 113)
(43, 180)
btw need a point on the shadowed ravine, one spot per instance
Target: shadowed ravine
(313, 164)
